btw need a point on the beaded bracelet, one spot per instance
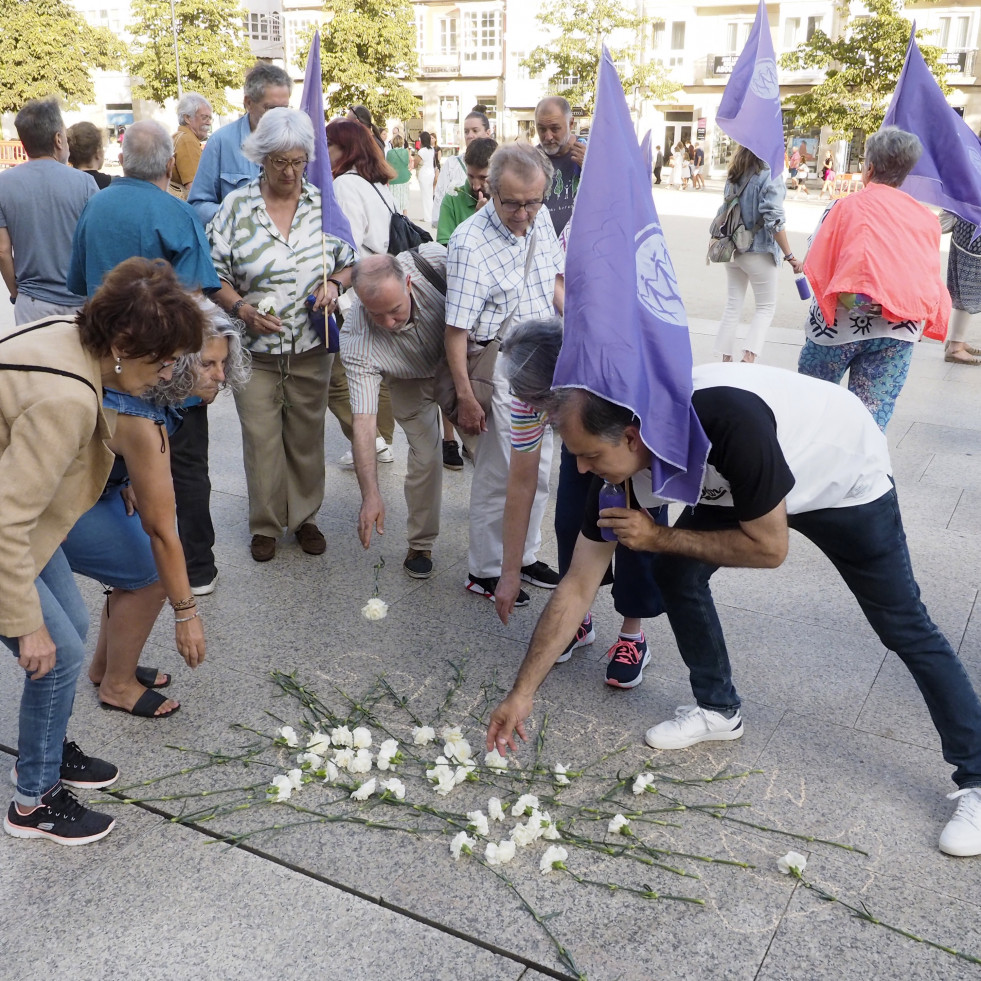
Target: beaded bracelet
(186, 619)
(184, 604)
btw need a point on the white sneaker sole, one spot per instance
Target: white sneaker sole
(665, 741)
(585, 642)
(15, 831)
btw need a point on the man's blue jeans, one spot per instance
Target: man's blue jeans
(46, 704)
(867, 545)
(635, 592)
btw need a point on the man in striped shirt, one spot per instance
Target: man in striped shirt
(394, 331)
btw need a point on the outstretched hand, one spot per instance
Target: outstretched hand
(506, 720)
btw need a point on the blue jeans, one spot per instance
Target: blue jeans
(635, 592)
(867, 545)
(46, 704)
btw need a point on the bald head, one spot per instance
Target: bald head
(382, 286)
(147, 152)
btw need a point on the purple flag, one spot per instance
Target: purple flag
(318, 170)
(948, 174)
(645, 149)
(626, 332)
(750, 108)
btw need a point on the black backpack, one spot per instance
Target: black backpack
(403, 234)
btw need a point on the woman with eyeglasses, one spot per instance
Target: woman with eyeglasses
(128, 539)
(272, 258)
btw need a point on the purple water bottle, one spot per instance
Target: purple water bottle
(611, 496)
(803, 289)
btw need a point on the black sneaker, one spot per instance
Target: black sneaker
(487, 587)
(451, 455)
(539, 574)
(628, 658)
(585, 635)
(60, 818)
(418, 564)
(79, 770)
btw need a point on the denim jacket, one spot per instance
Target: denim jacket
(762, 200)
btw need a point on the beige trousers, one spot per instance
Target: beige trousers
(339, 403)
(282, 411)
(417, 413)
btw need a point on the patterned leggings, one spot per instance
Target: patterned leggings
(877, 370)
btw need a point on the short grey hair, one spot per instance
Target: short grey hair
(146, 150)
(262, 77)
(189, 104)
(557, 103)
(237, 365)
(279, 131)
(530, 351)
(521, 159)
(893, 153)
(38, 123)
(368, 275)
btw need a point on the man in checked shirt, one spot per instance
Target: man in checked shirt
(504, 264)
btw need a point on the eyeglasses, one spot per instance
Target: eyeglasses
(164, 365)
(513, 207)
(281, 163)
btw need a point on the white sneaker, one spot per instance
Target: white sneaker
(692, 724)
(962, 836)
(347, 460)
(206, 590)
(383, 451)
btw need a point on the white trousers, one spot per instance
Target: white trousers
(758, 269)
(488, 490)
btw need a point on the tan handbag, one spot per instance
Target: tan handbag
(481, 361)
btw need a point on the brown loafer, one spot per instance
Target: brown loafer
(263, 548)
(311, 539)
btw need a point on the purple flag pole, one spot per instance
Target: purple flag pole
(948, 174)
(750, 108)
(626, 332)
(333, 221)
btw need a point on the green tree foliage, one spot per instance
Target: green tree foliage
(214, 51)
(50, 49)
(579, 28)
(367, 50)
(861, 68)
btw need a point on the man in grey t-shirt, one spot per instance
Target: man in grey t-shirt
(40, 202)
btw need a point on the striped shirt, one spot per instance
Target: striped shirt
(250, 253)
(527, 426)
(485, 269)
(370, 353)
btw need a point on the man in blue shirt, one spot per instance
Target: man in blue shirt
(136, 216)
(223, 167)
(40, 202)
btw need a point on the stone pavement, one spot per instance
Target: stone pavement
(838, 747)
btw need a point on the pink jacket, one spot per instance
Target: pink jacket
(882, 243)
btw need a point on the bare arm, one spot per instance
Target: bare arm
(472, 419)
(758, 544)
(558, 622)
(372, 513)
(144, 446)
(558, 297)
(784, 243)
(7, 263)
(522, 483)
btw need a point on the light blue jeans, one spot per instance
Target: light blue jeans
(46, 704)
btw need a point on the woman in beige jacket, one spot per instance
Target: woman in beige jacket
(53, 466)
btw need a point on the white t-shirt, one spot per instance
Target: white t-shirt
(834, 450)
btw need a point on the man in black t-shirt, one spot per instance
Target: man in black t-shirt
(784, 454)
(553, 121)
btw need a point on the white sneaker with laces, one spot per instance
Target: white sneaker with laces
(962, 836)
(692, 724)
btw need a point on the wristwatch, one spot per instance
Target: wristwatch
(236, 306)
(339, 285)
